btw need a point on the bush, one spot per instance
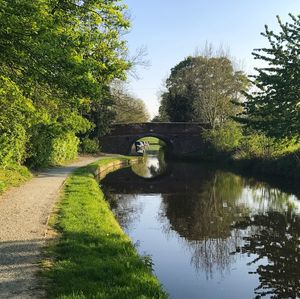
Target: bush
(15, 111)
(89, 146)
(51, 146)
(64, 148)
(13, 146)
(255, 145)
(226, 138)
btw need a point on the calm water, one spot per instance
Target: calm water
(210, 233)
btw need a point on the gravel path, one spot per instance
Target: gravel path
(24, 212)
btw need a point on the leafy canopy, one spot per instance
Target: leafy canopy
(274, 105)
(57, 60)
(203, 89)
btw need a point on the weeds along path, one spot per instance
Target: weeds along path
(24, 212)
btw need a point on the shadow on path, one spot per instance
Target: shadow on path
(18, 260)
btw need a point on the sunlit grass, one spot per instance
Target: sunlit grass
(155, 144)
(93, 258)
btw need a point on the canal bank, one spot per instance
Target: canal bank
(92, 257)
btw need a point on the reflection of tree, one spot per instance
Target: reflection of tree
(210, 254)
(275, 236)
(125, 207)
(207, 214)
(204, 219)
(268, 198)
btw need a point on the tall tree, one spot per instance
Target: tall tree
(203, 89)
(60, 56)
(274, 105)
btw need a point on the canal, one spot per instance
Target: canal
(209, 233)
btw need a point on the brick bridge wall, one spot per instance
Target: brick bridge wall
(181, 138)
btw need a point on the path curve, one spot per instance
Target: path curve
(24, 212)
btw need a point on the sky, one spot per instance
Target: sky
(171, 30)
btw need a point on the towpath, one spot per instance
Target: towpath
(24, 212)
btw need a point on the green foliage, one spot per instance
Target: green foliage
(93, 256)
(202, 89)
(64, 148)
(226, 138)
(49, 146)
(72, 47)
(13, 175)
(177, 107)
(256, 145)
(273, 106)
(15, 118)
(57, 61)
(89, 146)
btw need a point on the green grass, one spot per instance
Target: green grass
(154, 143)
(93, 257)
(150, 139)
(13, 176)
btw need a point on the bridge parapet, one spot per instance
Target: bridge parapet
(159, 128)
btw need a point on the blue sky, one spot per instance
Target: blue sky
(173, 29)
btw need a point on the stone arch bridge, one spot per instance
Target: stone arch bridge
(180, 138)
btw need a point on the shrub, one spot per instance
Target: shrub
(15, 119)
(226, 138)
(64, 148)
(51, 146)
(258, 145)
(255, 145)
(13, 146)
(89, 146)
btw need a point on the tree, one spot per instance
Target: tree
(203, 89)
(70, 47)
(60, 56)
(274, 105)
(127, 108)
(130, 110)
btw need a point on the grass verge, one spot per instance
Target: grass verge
(93, 257)
(13, 176)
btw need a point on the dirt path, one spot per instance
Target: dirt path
(23, 218)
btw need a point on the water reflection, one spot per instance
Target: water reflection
(151, 166)
(211, 234)
(276, 236)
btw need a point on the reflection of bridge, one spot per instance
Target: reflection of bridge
(178, 178)
(180, 138)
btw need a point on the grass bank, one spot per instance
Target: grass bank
(13, 176)
(93, 257)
